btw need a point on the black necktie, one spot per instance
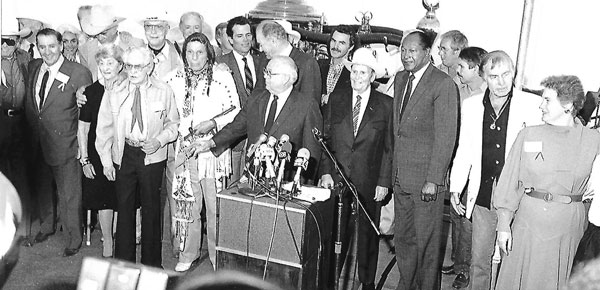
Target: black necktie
(30, 50)
(42, 92)
(271, 116)
(248, 74)
(407, 94)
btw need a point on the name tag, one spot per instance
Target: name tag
(532, 146)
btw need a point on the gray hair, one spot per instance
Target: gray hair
(288, 64)
(110, 50)
(143, 50)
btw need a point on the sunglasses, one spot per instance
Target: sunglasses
(9, 42)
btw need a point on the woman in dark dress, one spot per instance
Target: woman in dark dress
(98, 192)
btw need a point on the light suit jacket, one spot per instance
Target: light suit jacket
(162, 122)
(524, 111)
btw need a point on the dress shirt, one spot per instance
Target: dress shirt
(240, 64)
(418, 75)
(281, 99)
(53, 71)
(364, 100)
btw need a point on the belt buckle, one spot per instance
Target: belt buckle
(10, 112)
(548, 197)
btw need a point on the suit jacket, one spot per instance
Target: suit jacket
(55, 125)
(89, 49)
(309, 76)
(240, 85)
(425, 138)
(297, 118)
(466, 165)
(342, 83)
(367, 158)
(162, 121)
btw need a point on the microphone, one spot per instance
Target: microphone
(285, 149)
(267, 154)
(252, 149)
(282, 140)
(301, 162)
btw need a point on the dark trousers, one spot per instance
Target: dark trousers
(367, 247)
(418, 240)
(67, 178)
(461, 240)
(131, 175)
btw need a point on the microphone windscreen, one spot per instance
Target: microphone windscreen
(303, 153)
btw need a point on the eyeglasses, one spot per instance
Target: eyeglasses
(9, 42)
(446, 50)
(158, 27)
(136, 67)
(267, 73)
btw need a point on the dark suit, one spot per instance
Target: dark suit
(240, 85)
(297, 118)
(54, 147)
(366, 161)
(309, 76)
(343, 81)
(424, 141)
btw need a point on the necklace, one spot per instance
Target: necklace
(493, 125)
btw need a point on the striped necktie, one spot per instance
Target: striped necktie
(355, 113)
(248, 75)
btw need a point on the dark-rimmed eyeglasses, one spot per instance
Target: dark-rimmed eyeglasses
(268, 73)
(136, 67)
(9, 41)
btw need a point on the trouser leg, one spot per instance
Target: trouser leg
(483, 241)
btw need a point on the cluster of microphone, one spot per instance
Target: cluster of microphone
(268, 157)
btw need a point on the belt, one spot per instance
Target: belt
(548, 197)
(11, 112)
(134, 143)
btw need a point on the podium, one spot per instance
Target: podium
(244, 230)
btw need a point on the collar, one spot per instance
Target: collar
(477, 84)
(54, 68)
(143, 86)
(285, 94)
(239, 56)
(419, 74)
(364, 95)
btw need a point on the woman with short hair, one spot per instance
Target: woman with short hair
(540, 191)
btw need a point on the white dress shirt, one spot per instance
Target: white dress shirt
(364, 100)
(53, 72)
(281, 99)
(240, 63)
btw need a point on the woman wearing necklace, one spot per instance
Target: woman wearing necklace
(540, 191)
(207, 101)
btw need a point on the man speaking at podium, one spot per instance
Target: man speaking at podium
(277, 111)
(357, 121)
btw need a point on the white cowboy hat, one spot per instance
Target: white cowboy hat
(288, 28)
(367, 57)
(158, 18)
(11, 28)
(96, 19)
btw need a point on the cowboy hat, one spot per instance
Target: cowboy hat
(367, 57)
(159, 18)
(11, 28)
(97, 19)
(288, 28)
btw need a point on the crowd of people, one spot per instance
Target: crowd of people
(147, 131)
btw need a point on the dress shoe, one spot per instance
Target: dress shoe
(461, 281)
(448, 270)
(41, 237)
(70, 252)
(182, 267)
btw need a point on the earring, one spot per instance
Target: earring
(567, 111)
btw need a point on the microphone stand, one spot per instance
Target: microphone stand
(338, 239)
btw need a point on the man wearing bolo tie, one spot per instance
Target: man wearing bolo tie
(490, 122)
